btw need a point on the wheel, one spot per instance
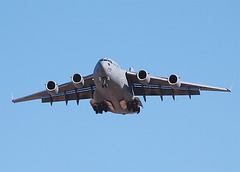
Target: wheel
(129, 106)
(138, 110)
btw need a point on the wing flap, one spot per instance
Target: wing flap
(69, 96)
(152, 91)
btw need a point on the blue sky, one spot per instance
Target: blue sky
(52, 40)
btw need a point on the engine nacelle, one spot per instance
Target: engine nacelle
(52, 87)
(143, 77)
(174, 81)
(78, 80)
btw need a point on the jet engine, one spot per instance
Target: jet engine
(143, 77)
(174, 81)
(78, 80)
(52, 87)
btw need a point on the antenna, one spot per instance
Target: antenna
(131, 69)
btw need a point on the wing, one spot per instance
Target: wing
(66, 92)
(160, 86)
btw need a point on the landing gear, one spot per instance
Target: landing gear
(104, 84)
(100, 108)
(134, 106)
(104, 81)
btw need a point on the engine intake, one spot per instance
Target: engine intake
(143, 77)
(52, 87)
(78, 80)
(174, 81)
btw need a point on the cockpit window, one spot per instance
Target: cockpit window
(106, 60)
(103, 59)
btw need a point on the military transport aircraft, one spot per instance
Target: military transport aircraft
(113, 89)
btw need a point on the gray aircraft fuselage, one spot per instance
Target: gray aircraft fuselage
(112, 85)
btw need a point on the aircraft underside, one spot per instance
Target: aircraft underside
(126, 107)
(111, 95)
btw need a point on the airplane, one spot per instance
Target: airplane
(113, 89)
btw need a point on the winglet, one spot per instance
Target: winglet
(12, 98)
(230, 87)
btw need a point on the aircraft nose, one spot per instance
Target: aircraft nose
(101, 67)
